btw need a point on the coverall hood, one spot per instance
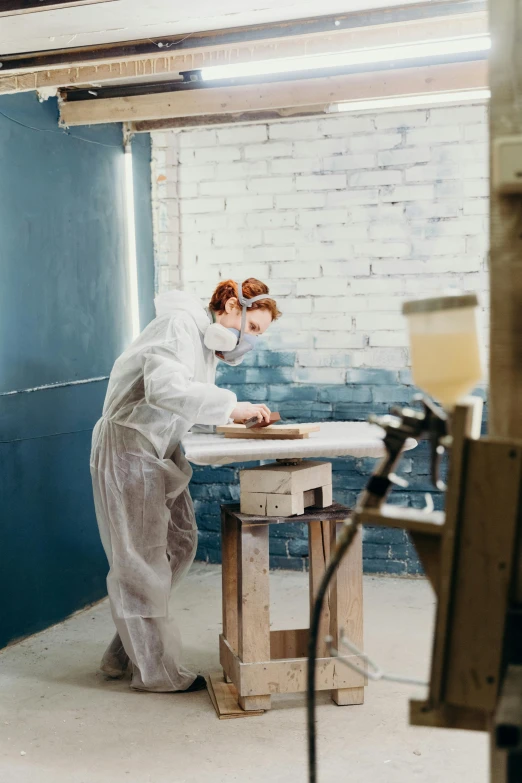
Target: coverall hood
(174, 301)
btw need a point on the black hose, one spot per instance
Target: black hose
(345, 539)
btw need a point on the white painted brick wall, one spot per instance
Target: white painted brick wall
(344, 217)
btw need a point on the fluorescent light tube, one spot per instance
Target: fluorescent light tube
(383, 54)
(413, 101)
(132, 264)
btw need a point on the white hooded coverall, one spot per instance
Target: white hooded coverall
(159, 388)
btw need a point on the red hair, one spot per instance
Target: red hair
(251, 287)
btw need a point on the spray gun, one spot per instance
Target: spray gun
(430, 422)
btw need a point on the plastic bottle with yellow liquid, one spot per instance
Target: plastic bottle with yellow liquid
(445, 348)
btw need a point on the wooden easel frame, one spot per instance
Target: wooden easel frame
(467, 554)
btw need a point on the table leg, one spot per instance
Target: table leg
(346, 608)
(254, 605)
(229, 575)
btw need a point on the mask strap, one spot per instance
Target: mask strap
(244, 302)
(243, 321)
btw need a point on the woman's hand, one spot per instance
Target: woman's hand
(247, 410)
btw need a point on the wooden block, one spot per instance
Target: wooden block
(285, 505)
(286, 479)
(224, 697)
(277, 432)
(275, 505)
(254, 503)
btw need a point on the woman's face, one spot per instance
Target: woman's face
(257, 321)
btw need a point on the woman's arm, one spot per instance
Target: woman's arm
(168, 372)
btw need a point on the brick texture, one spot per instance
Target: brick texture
(344, 217)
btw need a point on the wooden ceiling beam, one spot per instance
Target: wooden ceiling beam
(16, 7)
(254, 34)
(165, 64)
(319, 92)
(245, 118)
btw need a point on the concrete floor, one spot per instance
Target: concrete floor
(72, 726)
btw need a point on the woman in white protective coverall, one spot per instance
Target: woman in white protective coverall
(160, 387)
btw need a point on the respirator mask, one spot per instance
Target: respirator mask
(231, 343)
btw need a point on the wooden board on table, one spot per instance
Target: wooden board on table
(276, 432)
(223, 696)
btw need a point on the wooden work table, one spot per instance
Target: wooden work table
(258, 661)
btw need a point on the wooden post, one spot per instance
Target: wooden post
(229, 552)
(505, 388)
(318, 557)
(254, 610)
(346, 609)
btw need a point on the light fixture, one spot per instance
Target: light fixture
(383, 54)
(130, 225)
(428, 100)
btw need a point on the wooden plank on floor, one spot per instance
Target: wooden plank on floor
(223, 696)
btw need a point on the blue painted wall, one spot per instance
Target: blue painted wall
(64, 318)
(268, 376)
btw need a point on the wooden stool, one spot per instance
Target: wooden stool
(261, 662)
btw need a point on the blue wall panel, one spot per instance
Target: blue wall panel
(62, 248)
(64, 317)
(52, 559)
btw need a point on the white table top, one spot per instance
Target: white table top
(335, 439)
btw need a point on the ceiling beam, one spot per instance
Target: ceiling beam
(320, 92)
(180, 85)
(247, 117)
(161, 65)
(15, 7)
(235, 36)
